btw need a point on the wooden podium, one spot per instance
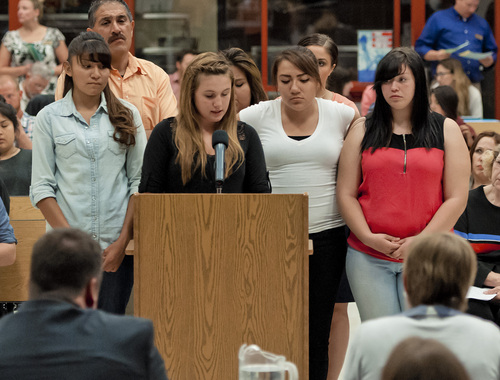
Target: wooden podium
(214, 271)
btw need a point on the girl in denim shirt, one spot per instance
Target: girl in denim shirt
(87, 158)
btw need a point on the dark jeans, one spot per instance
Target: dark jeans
(116, 287)
(325, 270)
(484, 309)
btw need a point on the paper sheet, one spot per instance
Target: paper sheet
(453, 50)
(477, 56)
(478, 294)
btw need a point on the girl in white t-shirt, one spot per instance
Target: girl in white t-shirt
(302, 137)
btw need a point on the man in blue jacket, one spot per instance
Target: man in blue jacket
(454, 27)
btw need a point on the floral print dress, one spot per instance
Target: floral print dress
(23, 52)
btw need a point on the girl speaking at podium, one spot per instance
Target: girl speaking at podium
(179, 156)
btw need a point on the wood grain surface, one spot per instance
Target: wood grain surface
(29, 226)
(216, 271)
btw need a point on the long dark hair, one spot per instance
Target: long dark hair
(379, 123)
(242, 61)
(447, 98)
(91, 45)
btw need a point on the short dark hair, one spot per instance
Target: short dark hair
(300, 57)
(180, 56)
(10, 113)
(447, 98)
(96, 4)
(63, 262)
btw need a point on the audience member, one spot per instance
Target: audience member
(58, 334)
(36, 80)
(248, 88)
(438, 272)
(7, 239)
(302, 136)
(9, 89)
(31, 43)
(451, 28)
(402, 172)
(36, 104)
(15, 163)
(444, 101)
(135, 80)
(480, 225)
(449, 73)
(87, 158)
(341, 81)
(423, 359)
(184, 58)
(326, 52)
(485, 141)
(179, 156)
(368, 100)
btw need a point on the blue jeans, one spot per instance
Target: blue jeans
(377, 285)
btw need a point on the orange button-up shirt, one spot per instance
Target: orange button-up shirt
(145, 85)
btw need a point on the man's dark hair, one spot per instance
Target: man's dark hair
(180, 56)
(96, 4)
(63, 262)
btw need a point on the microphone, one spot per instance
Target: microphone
(220, 141)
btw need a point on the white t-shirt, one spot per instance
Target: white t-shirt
(309, 165)
(475, 103)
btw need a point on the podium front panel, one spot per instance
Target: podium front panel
(214, 271)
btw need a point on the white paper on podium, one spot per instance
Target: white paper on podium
(478, 294)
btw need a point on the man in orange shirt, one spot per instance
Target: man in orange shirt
(135, 80)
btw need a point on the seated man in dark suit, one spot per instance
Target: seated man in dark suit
(58, 334)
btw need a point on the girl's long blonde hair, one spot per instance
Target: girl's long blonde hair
(461, 84)
(187, 134)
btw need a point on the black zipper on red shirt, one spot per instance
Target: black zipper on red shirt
(404, 142)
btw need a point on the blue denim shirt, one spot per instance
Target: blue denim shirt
(6, 230)
(90, 175)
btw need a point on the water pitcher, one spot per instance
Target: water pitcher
(256, 364)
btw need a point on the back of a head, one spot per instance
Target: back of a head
(439, 269)
(63, 262)
(447, 98)
(37, 103)
(338, 79)
(423, 359)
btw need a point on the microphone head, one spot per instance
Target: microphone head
(220, 137)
